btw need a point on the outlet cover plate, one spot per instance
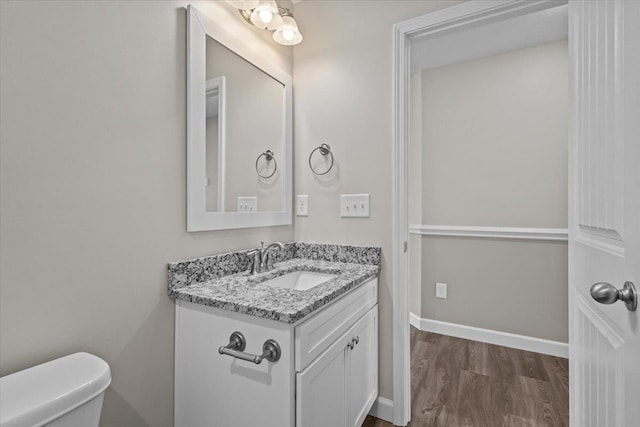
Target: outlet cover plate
(354, 205)
(302, 205)
(247, 204)
(441, 290)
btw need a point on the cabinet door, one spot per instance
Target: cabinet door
(362, 367)
(321, 399)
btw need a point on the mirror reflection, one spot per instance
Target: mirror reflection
(245, 118)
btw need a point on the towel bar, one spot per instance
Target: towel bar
(237, 343)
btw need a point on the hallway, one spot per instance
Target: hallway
(457, 382)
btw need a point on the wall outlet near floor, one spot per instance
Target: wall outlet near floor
(441, 290)
(354, 205)
(247, 204)
(302, 205)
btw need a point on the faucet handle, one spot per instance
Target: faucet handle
(254, 264)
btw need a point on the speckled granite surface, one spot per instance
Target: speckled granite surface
(222, 281)
(185, 273)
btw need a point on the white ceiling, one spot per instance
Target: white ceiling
(491, 39)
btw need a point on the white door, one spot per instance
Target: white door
(604, 240)
(321, 389)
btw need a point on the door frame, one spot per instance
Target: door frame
(460, 17)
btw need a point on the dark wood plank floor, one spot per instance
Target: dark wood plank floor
(457, 382)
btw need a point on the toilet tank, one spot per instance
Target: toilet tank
(70, 387)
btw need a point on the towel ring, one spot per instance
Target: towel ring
(324, 150)
(268, 155)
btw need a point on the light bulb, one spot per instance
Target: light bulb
(266, 16)
(288, 34)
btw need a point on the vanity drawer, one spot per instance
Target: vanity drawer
(316, 334)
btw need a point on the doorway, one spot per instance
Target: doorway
(468, 32)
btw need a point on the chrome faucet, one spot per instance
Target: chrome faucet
(262, 259)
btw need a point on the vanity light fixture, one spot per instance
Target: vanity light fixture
(267, 15)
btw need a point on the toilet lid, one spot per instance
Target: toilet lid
(40, 394)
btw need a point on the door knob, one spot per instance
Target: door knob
(606, 293)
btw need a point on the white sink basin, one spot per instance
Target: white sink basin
(299, 280)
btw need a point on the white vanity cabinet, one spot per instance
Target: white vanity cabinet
(339, 387)
(327, 374)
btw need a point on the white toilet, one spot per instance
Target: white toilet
(65, 392)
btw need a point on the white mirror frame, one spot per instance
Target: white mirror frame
(199, 26)
(217, 87)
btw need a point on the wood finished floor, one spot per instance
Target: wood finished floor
(457, 382)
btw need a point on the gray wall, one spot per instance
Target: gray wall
(93, 189)
(495, 140)
(511, 286)
(342, 96)
(494, 151)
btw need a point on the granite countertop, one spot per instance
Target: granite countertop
(223, 283)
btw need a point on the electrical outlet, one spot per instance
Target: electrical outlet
(302, 205)
(247, 204)
(441, 290)
(354, 205)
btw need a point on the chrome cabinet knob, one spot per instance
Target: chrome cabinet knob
(606, 293)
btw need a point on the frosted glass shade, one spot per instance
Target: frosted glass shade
(266, 16)
(244, 4)
(288, 33)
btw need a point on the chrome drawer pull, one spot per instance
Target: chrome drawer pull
(237, 343)
(354, 342)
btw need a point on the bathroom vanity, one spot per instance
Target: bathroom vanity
(293, 346)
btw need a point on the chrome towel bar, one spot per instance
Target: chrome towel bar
(237, 343)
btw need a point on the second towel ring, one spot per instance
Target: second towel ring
(268, 155)
(324, 150)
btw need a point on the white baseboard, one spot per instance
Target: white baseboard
(383, 409)
(521, 342)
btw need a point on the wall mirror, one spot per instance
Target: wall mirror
(239, 139)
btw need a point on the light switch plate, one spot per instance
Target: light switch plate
(247, 204)
(354, 205)
(441, 290)
(302, 205)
